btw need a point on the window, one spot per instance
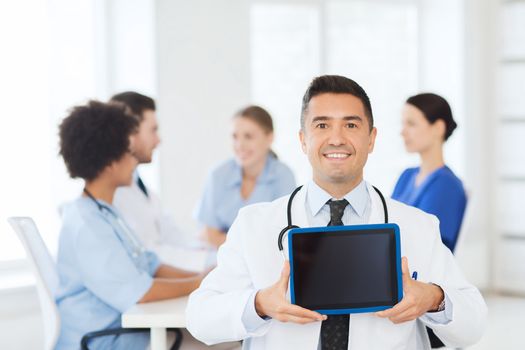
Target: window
(58, 57)
(373, 42)
(285, 57)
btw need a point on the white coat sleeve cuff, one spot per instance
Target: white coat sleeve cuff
(441, 317)
(250, 319)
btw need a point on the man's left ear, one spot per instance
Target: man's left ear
(301, 139)
(373, 135)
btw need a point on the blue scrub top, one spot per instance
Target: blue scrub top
(222, 199)
(441, 194)
(102, 274)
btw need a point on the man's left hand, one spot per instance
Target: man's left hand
(419, 298)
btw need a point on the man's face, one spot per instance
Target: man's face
(147, 138)
(337, 139)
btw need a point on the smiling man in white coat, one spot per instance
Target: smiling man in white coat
(246, 296)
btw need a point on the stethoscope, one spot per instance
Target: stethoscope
(289, 216)
(137, 247)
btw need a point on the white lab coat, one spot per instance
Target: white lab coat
(145, 216)
(250, 260)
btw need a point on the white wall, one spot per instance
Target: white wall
(456, 43)
(441, 67)
(480, 28)
(131, 58)
(204, 69)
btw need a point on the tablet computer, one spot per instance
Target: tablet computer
(345, 269)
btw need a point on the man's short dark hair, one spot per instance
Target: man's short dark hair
(93, 136)
(138, 103)
(336, 84)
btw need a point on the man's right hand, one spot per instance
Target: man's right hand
(272, 302)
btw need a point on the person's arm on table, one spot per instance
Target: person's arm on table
(167, 288)
(168, 271)
(169, 282)
(213, 236)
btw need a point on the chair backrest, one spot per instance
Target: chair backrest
(44, 269)
(465, 226)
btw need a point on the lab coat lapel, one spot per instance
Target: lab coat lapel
(376, 210)
(270, 255)
(299, 217)
(304, 337)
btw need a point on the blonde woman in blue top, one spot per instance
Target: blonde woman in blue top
(253, 175)
(102, 266)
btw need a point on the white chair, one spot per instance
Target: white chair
(45, 273)
(47, 282)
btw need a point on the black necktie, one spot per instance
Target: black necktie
(334, 331)
(142, 186)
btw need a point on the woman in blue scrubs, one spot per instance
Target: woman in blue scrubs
(102, 266)
(432, 187)
(253, 175)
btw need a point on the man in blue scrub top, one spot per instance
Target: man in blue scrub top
(102, 265)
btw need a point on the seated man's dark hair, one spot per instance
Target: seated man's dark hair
(138, 103)
(93, 136)
(336, 84)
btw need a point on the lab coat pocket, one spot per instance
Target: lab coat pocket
(368, 331)
(293, 336)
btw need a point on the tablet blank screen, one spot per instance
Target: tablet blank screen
(345, 269)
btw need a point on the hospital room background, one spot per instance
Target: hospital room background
(204, 59)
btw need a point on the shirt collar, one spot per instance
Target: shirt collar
(267, 175)
(317, 198)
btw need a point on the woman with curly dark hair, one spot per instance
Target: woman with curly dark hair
(102, 266)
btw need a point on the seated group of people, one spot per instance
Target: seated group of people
(111, 233)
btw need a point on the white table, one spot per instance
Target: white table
(157, 316)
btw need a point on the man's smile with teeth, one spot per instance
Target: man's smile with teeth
(337, 155)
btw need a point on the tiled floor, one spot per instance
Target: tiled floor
(505, 330)
(506, 327)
